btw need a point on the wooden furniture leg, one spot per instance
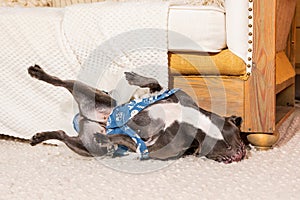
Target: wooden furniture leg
(265, 108)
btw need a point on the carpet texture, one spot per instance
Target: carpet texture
(54, 172)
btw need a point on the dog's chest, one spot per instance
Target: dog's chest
(170, 113)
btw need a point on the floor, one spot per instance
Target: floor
(54, 172)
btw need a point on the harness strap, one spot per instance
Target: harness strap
(119, 117)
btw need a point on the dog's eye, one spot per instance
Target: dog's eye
(228, 145)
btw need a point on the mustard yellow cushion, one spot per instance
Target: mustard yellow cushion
(223, 63)
(284, 68)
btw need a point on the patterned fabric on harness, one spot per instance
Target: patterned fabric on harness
(117, 121)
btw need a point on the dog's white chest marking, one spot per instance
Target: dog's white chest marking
(171, 112)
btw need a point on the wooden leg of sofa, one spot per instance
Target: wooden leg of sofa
(263, 141)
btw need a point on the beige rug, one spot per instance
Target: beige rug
(54, 172)
(289, 128)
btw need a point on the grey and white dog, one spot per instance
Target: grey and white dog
(170, 128)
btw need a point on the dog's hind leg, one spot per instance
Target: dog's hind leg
(143, 82)
(75, 87)
(90, 100)
(74, 143)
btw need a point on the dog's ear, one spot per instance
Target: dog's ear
(236, 120)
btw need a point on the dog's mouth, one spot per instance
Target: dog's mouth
(237, 156)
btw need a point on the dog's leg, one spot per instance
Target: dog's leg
(199, 138)
(89, 99)
(143, 82)
(74, 143)
(124, 140)
(75, 87)
(118, 139)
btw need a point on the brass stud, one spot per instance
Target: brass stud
(250, 34)
(250, 9)
(250, 17)
(250, 41)
(248, 74)
(249, 59)
(250, 25)
(250, 50)
(251, 1)
(249, 66)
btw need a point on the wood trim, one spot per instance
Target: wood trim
(284, 113)
(291, 43)
(260, 88)
(285, 72)
(217, 94)
(298, 68)
(298, 14)
(285, 10)
(280, 87)
(297, 44)
(64, 3)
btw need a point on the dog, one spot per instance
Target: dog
(169, 128)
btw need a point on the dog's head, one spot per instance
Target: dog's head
(231, 148)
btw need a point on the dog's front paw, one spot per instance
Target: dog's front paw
(144, 82)
(36, 71)
(101, 139)
(37, 138)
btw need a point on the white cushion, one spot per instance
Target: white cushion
(197, 28)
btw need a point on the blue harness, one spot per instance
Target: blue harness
(118, 119)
